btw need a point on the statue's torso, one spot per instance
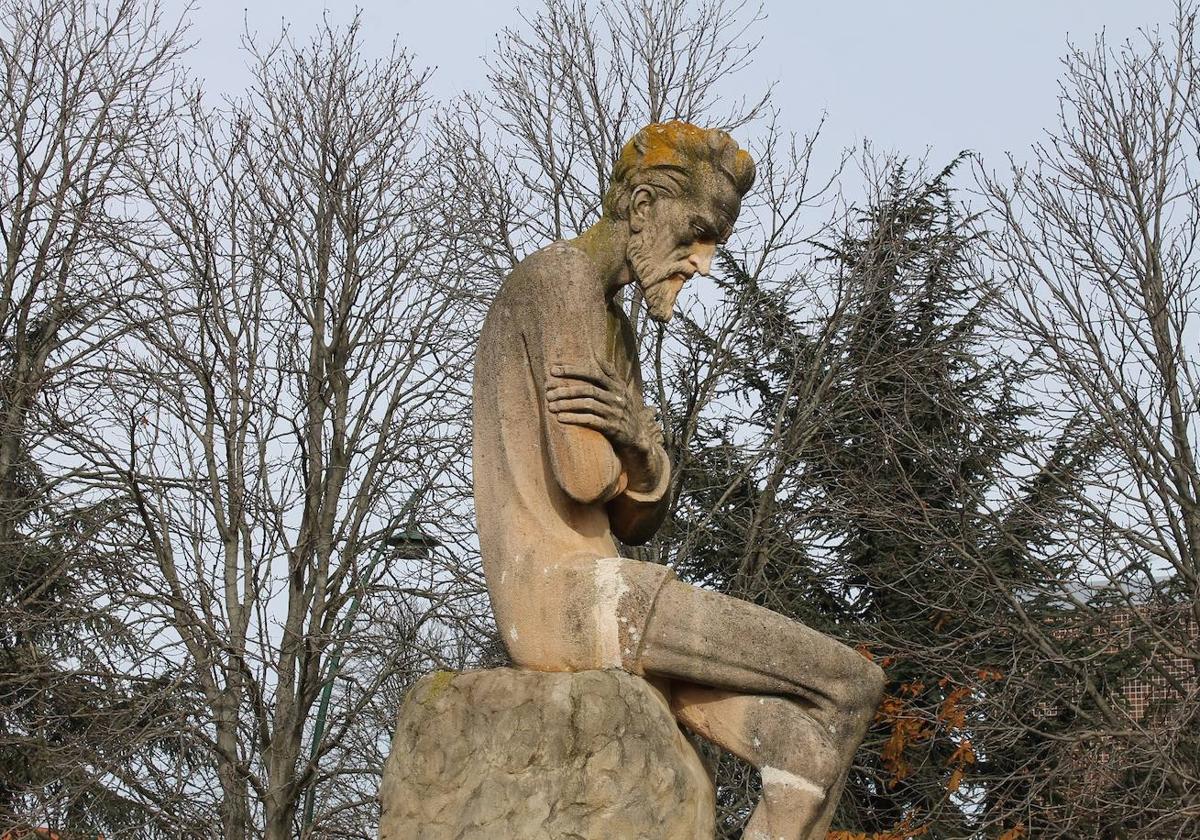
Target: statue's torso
(540, 546)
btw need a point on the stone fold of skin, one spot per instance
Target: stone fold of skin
(524, 755)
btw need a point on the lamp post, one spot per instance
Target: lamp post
(409, 544)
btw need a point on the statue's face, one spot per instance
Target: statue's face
(673, 238)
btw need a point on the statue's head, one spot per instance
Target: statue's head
(680, 188)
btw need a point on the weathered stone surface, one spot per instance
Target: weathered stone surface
(523, 755)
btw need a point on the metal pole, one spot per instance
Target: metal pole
(335, 662)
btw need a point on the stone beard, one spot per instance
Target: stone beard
(660, 283)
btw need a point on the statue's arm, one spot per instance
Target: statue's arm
(590, 396)
(584, 463)
(604, 445)
(565, 329)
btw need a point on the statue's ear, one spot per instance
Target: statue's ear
(640, 202)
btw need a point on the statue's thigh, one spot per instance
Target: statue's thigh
(712, 639)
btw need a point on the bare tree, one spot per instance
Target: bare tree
(83, 704)
(234, 482)
(1098, 235)
(288, 406)
(567, 90)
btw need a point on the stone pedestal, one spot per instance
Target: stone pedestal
(524, 755)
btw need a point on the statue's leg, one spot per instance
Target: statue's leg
(789, 700)
(801, 767)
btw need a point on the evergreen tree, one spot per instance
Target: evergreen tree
(906, 462)
(867, 490)
(83, 725)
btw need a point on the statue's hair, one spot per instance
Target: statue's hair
(667, 155)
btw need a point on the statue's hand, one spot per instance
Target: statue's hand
(595, 398)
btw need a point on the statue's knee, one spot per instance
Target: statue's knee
(864, 689)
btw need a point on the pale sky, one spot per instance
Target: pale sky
(909, 75)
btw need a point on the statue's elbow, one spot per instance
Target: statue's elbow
(633, 523)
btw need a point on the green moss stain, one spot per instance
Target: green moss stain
(437, 684)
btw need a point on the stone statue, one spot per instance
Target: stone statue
(567, 456)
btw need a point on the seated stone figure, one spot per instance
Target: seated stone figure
(567, 456)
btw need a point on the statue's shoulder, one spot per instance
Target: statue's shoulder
(557, 275)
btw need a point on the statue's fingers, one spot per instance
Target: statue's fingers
(557, 395)
(588, 421)
(581, 404)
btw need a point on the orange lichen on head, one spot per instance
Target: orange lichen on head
(664, 154)
(660, 143)
(674, 143)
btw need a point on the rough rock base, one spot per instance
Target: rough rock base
(524, 755)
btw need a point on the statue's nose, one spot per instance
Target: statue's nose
(701, 257)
